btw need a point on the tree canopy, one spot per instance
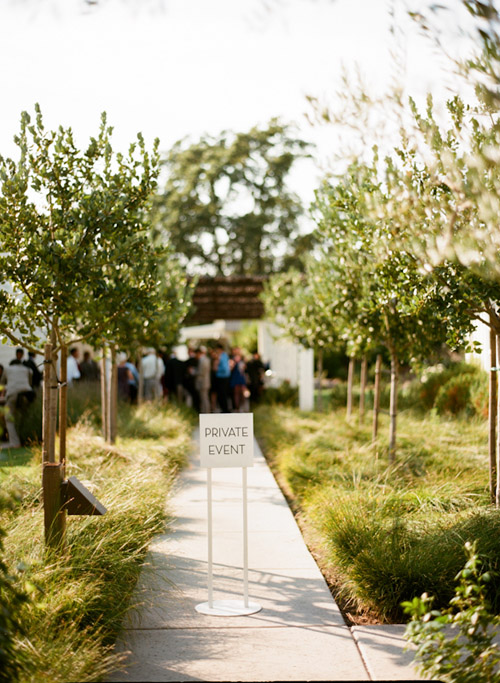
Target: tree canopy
(225, 206)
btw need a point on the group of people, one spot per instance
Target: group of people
(210, 380)
(19, 383)
(214, 380)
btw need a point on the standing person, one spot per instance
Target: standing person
(222, 377)
(174, 375)
(36, 374)
(190, 371)
(17, 381)
(255, 371)
(238, 382)
(160, 373)
(149, 373)
(73, 369)
(214, 361)
(89, 370)
(202, 380)
(133, 381)
(18, 360)
(124, 375)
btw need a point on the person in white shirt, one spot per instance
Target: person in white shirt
(202, 378)
(149, 373)
(17, 380)
(72, 368)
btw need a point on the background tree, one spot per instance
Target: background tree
(433, 184)
(154, 321)
(226, 207)
(379, 288)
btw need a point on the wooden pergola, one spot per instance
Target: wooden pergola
(227, 298)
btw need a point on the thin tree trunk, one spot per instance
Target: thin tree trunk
(492, 415)
(376, 396)
(112, 397)
(320, 374)
(393, 410)
(63, 405)
(46, 455)
(362, 389)
(350, 381)
(104, 395)
(54, 395)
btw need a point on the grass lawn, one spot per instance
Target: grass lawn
(77, 601)
(383, 534)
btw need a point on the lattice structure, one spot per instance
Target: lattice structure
(227, 298)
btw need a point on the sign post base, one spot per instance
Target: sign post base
(228, 608)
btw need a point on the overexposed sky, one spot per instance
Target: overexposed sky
(175, 68)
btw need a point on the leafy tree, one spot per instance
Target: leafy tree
(433, 184)
(377, 286)
(74, 247)
(226, 207)
(156, 322)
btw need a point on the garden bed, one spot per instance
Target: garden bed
(383, 534)
(76, 602)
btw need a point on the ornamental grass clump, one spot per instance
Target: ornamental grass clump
(386, 532)
(384, 557)
(78, 599)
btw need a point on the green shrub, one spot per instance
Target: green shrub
(480, 396)
(454, 397)
(433, 382)
(456, 644)
(467, 392)
(284, 394)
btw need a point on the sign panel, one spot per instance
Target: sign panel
(226, 440)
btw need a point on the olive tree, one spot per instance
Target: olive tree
(75, 253)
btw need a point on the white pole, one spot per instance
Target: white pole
(210, 557)
(245, 538)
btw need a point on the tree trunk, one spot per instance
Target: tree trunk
(376, 396)
(46, 452)
(492, 415)
(350, 381)
(63, 405)
(112, 397)
(104, 395)
(54, 395)
(320, 374)
(393, 410)
(362, 389)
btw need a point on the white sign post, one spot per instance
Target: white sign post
(226, 440)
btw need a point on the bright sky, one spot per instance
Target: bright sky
(175, 68)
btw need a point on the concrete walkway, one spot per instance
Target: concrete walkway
(299, 635)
